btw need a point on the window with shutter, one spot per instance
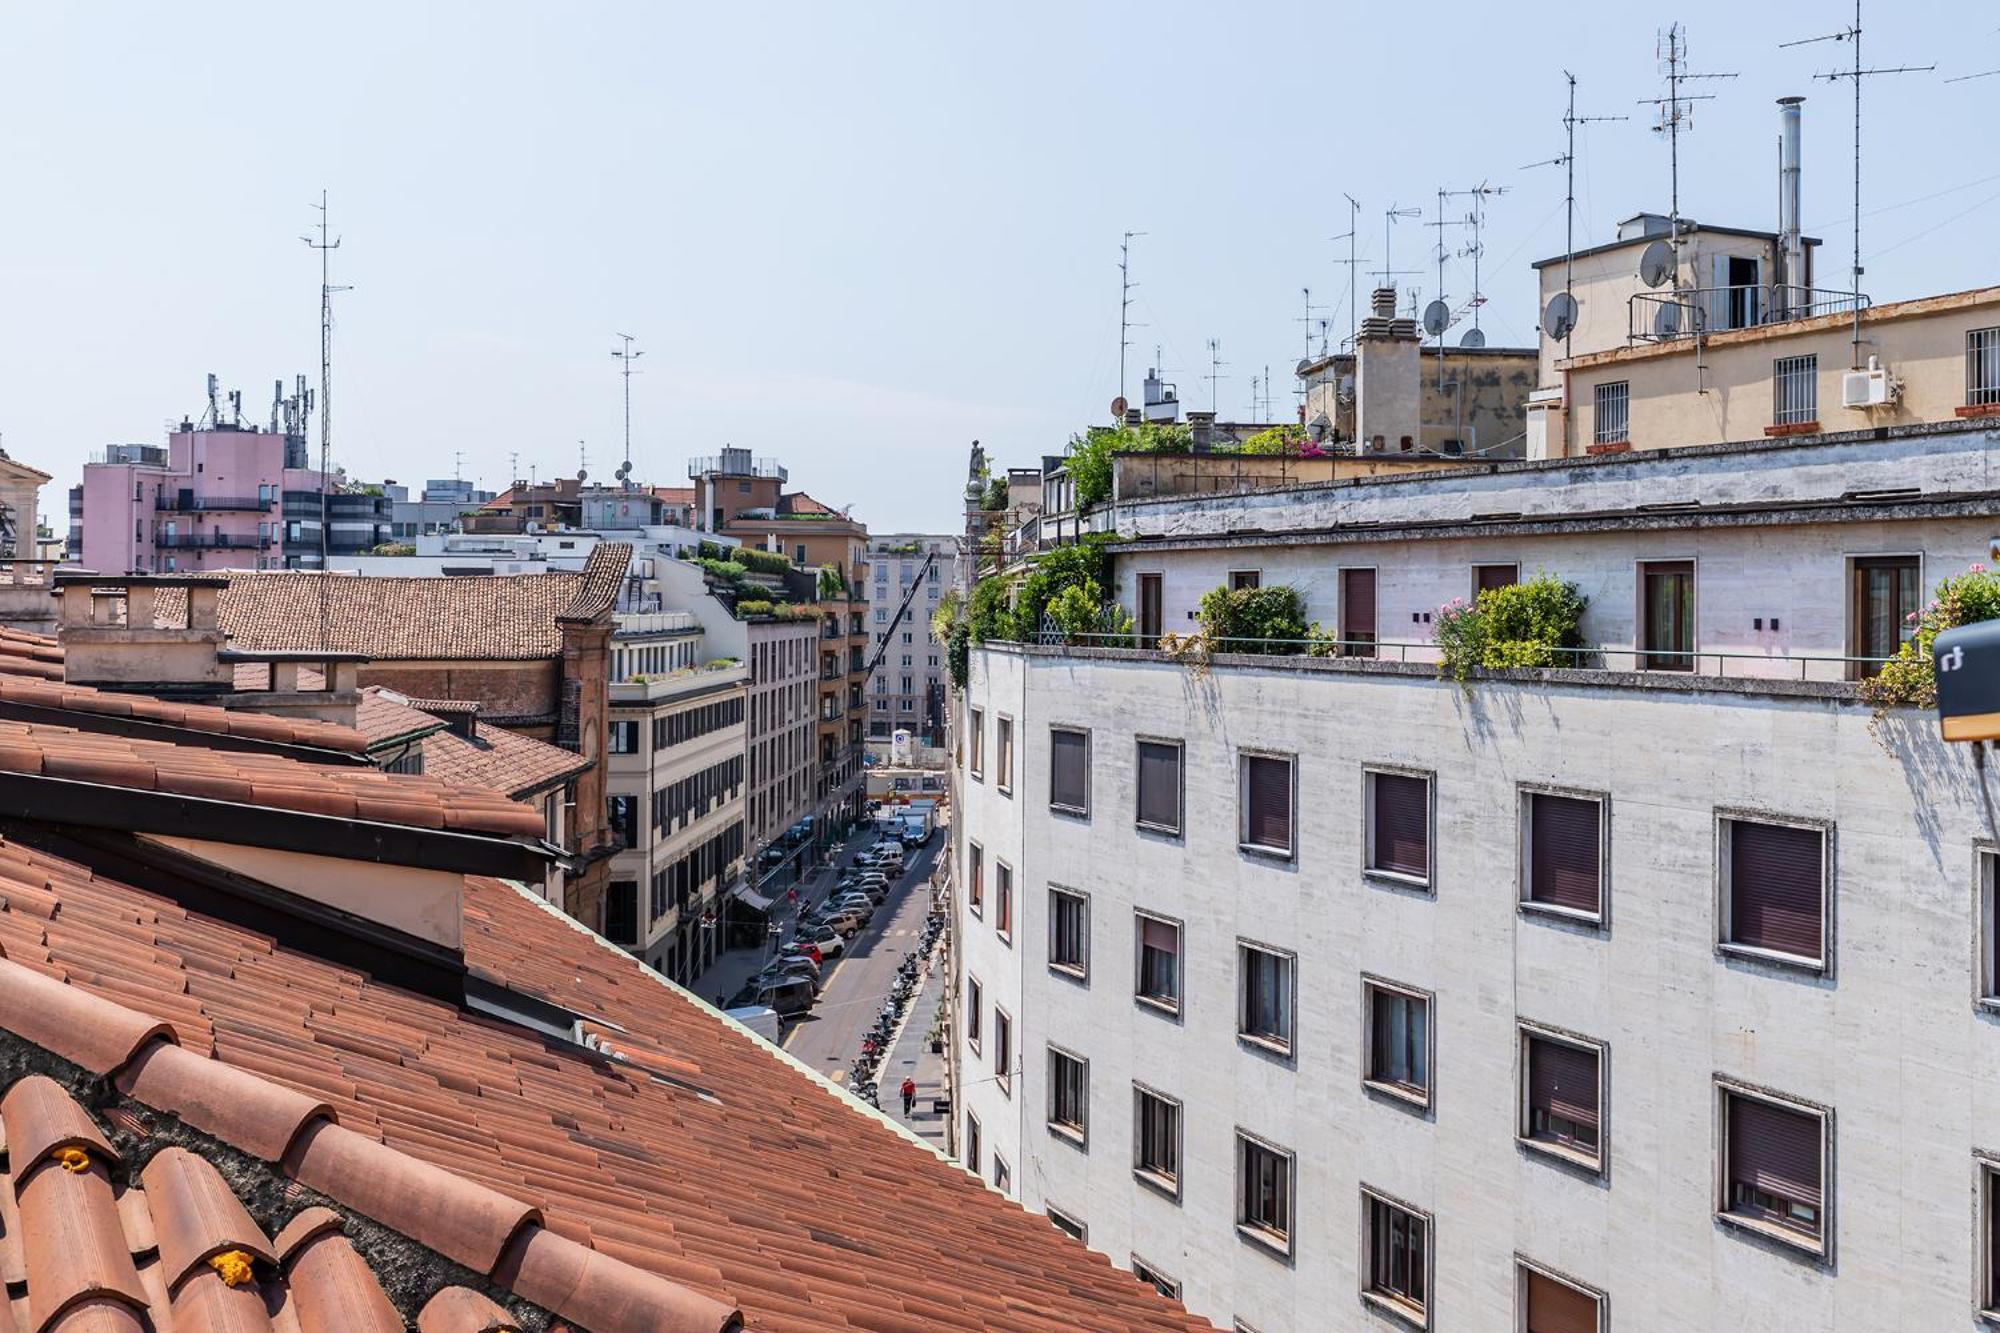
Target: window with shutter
(1561, 1080)
(1775, 888)
(1069, 771)
(1399, 810)
(1564, 857)
(1488, 577)
(1159, 965)
(1357, 612)
(1267, 803)
(1773, 1165)
(1159, 782)
(1556, 1307)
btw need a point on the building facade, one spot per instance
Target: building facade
(908, 573)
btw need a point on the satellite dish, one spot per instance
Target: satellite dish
(1118, 406)
(1437, 318)
(1560, 317)
(1656, 265)
(1345, 389)
(581, 475)
(624, 471)
(1303, 366)
(1472, 338)
(1667, 321)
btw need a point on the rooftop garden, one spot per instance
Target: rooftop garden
(1089, 458)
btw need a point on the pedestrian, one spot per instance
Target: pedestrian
(909, 1097)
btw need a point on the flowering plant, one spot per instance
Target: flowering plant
(1532, 624)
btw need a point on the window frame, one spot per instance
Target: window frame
(1986, 930)
(1003, 1174)
(1169, 1186)
(1003, 1051)
(1154, 1276)
(1003, 754)
(1819, 1247)
(1284, 1047)
(1081, 812)
(1528, 1032)
(1986, 1274)
(1381, 874)
(975, 881)
(975, 1140)
(1080, 970)
(1290, 851)
(1527, 792)
(1599, 392)
(975, 996)
(1401, 1093)
(1857, 563)
(1178, 1005)
(975, 759)
(1523, 1266)
(1245, 579)
(1724, 816)
(1801, 372)
(1978, 343)
(1479, 565)
(1281, 1243)
(1076, 1133)
(1387, 1301)
(1003, 901)
(1179, 746)
(1067, 1222)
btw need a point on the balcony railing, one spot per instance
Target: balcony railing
(1664, 316)
(213, 541)
(202, 504)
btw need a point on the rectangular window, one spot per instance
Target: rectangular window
(1003, 754)
(1397, 1272)
(1795, 391)
(1982, 367)
(1550, 1305)
(1486, 578)
(1613, 416)
(1159, 1281)
(1069, 932)
(1357, 613)
(1159, 783)
(1003, 1050)
(1666, 622)
(1883, 601)
(1002, 1177)
(1399, 825)
(1399, 1041)
(975, 878)
(974, 997)
(624, 738)
(1265, 1002)
(976, 724)
(1241, 579)
(970, 1157)
(1264, 1192)
(1562, 1096)
(1063, 1222)
(1156, 1139)
(1562, 853)
(1069, 771)
(1069, 1094)
(1989, 1245)
(1774, 888)
(1774, 1163)
(621, 912)
(1159, 971)
(1149, 610)
(1003, 899)
(1266, 803)
(622, 815)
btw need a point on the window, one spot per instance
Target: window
(1003, 1050)
(1159, 783)
(976, 724)
(1003, 899)
(1882, 601)
(1562, 853)
(1551, 1305)
(1159, 971)
(1399, 826)
(1774, 888)
(975, 879)
(1063, 1222)
(621, 912)
(1795, 391)
(1264, 1192)
(1241, 579)
(1613, 403)
(1265, 1003)
(970, 1157)
(1397, 1273)
(624, 738)
(1666, 622)
(1002, 1177)
(1069, 932)
(1488, 577)
(973, 998)
(1982, 367)
(881, 616)
(1399, 1041)
(1357, 613)
(1149, 610)
(1562, 1089)
(1266, 803)
(1774, 1160)
(1161, 1283)
(622, 814)
(1989, 1246)
(1004, 754)
(1069, 1094)
(1156, 1139)
(1069, 771)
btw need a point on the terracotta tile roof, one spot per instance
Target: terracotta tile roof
(267, 780)
(384, 718)
(494, 758)
(769, 1192)
(24, 654)
(597, 588)
(92, 703)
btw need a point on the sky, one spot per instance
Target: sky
(857, 237)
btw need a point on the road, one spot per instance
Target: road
(858, 986)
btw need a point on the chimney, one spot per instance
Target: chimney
(1201, 427)
(1387, 376)
(1792, 296)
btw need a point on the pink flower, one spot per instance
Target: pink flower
(1910, 619)
(1977, 568)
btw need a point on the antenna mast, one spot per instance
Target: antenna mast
(1852, 35)
(1388, 271)
(1476, 220)
(1125, 286)
(626, 357)
(326, 290)
(1215, 365)
(1675, 111)
(1568, 162)
(1353, 231)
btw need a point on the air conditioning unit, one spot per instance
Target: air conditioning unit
(1873, 387)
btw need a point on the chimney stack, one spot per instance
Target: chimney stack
(1793, 299)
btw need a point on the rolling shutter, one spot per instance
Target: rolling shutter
(1556, 1308)
(1160, 785)
(1488, 577)
(1069, 770)
(1564, 852)
(1776, 877)
(1775, 1149)
(1563, 1080)
(1268, 796)
(1357, 604)
(1402, 820)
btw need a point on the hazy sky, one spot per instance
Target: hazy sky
(853, 236)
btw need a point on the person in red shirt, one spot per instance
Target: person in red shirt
(909, 1097)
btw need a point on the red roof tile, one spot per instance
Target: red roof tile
(493, 757)
(92, 703)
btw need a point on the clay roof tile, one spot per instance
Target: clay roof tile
(82, 1028)
(196, 1217)
(41, 1121)
(597, 1291)
(332, 1289)
(463, 1310)
(252, 1113)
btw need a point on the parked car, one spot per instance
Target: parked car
(870, 877)
(778, 973)
(791, 957)
(788, 998)
(854, 902)
(808, 949)
(847, 921)
(821, 936)
(875, 889)
(760, 1019)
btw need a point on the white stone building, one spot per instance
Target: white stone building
(907, 691)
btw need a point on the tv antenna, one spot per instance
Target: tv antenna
(1476, 219)
(326, 247)
(626, 357)
(1215, 365)
(513, 468)
(1388, 272)
(1676, 110)
(458, 465)
(1437, 315)
(1967, 78)
(1125, 286)
(1307, 318)
(1352, 262)
(1561, 312)
(1852, 36)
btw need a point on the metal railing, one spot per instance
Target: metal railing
(195, 504)
(1688, 311)
(213, 541)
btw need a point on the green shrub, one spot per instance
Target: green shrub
(1287, 439)
(1089, 460)
(752, 606)
(1076, 610)
(1240, 620)
(1522, 625)
(764, 562)
(991, 615)
(994, 499)
(1909, 680)
(729, 571)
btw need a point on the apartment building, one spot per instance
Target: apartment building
(1651, 991)
(676, 776)
(909, 573)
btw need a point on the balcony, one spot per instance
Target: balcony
(736, 463)
(213, 541)
(208, 504)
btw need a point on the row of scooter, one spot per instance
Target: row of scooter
(876, 1041)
